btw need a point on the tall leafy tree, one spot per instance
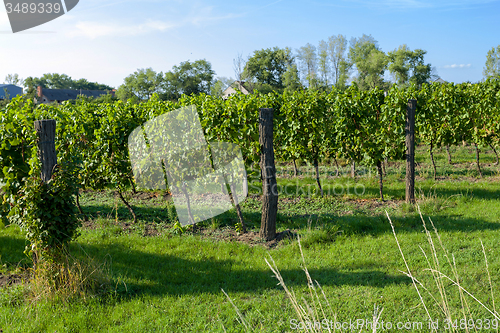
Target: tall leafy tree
(323, 63)
(408, 66)
(291, 79)
(309, 64)
(267, 67)
(492, 65)
(370, 62)
(141, 85)
(337, 49)
(14, 79)
(188, 78)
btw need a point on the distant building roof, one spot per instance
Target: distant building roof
(12, 91)
(439, 80)
(242, 86)
(60, 95)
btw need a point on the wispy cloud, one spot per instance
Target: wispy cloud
(94, 30)
(194, 15)
(414, 4)
(457, 66)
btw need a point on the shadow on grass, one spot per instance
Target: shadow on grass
(138, 273)
(12, 251)
(350, 216)
(158, 274)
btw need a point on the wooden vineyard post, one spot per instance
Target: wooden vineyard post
(46, 134)
(410, 151)
(269, 185)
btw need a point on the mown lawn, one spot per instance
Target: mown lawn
(163, 280)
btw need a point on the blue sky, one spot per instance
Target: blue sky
(107, 40)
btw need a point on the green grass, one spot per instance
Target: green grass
(172, 283)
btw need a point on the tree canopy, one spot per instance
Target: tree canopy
(492, 65)
(370, 62)
(267, 67)
(408, 66)
(140, 85)
(62, 81)
(188, 78)
(14, 79)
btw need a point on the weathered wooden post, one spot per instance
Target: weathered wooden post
(410, 151)
(46, 133)
(269, 185)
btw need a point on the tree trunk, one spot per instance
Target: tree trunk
(188, 203)
(268, 168)
(295, 169)
(353, 169)
(383, 166)
(432, 160)
(85, 218)
(132, 183)
(380, 180)
(238, 208)
(316, 165)
(337, 167)
(449, 155)
(477, 161)
(127, 204)
(496, 163)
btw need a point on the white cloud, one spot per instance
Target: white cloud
(458, 66)
(93, 30)
(193, 15)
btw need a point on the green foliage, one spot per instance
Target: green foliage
(140, 85)
(370, 62)
(188, 78)
(492, 65)
(63, 81)
(310, 125)
(268, 67)
(16, 135)
(14, 79)
(309, 63)
(46, 212)
(408, 66)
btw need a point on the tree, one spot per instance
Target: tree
(370, 62)
(14, 79)
(291, 79)
(492, 65)
(62, 81)
(239, 67)
(408, 66)
(323, 63)
(86, 85)
(188, 78)
(267, 67)
(308, 63)
(141, 85)
(337, 47)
